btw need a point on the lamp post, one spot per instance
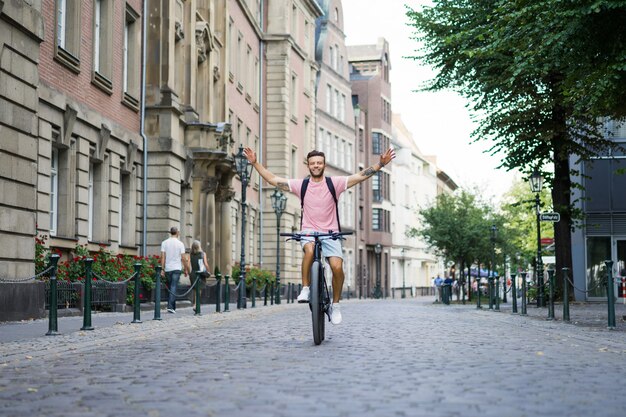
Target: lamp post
(403, 274)
(536, 183)
(494, 288)
(279, 202)
(378, 249)
(244, 170)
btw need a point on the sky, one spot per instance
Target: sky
(440, 123)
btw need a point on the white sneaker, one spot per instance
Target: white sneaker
(335, 315)
(304, 295)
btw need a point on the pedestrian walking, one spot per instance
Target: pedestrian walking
(438, 284)
(173, 261)
(199, 268)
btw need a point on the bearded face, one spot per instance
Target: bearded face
(316, 166)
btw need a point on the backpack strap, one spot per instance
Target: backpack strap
(305, 184)
(331, 188)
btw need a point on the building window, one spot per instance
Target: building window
(329, 98)
(68, 37)
(102, 41)
(238, 63)
(54, 190)
(231, 53)
(377, 186)
(342, 108)
(377, 219)
(320, 140)
(98, 201)
(294, 96)
(256, 81)
(360, 217)
(336, 103)
(63, 202)
(328, 148)
(90, 208)
(361, 139)
(294, 163)
(294, 22)
(377, 143)
(130, 69)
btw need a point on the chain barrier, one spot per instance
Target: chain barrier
(16, 280)
(600, 282)
(186, 292)
(101, 279)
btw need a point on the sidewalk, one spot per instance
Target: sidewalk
(583, 314)
(12, 331)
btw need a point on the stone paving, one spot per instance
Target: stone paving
(389, 358)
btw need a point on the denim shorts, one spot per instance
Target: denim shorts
(330, 247)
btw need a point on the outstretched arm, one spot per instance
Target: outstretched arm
(385, 158)
(264, 172)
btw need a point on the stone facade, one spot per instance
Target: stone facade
(89, 147)
(21, 32)
(370, 76)
(335, 120)
(290, 69)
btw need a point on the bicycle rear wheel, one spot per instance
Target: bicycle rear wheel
(317, 305)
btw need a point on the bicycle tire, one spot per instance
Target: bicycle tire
(317, 305)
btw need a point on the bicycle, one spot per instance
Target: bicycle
(319, 299)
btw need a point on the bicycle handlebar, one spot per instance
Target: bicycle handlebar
(331, 235)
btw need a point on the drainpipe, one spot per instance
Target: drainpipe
(144, 215)
(261, 60)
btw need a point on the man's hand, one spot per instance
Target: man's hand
(387, 157)
(250, 155)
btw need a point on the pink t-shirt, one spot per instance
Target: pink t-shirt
(319, 213)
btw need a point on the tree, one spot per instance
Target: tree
(519, 216)
(455, 226)
(541, 76)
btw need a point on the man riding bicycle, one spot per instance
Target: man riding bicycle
(319, 213)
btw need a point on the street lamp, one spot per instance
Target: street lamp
(244, 170)
(378, 249)
(495, 288)
(492, 266)
(403, 273)
(536, 183)
(279, 202)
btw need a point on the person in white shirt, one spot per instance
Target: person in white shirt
(173, 261)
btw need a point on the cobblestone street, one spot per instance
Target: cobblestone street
(388, 358)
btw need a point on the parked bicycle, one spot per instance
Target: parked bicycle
(319, 299)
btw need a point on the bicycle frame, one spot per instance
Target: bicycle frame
(319, 301)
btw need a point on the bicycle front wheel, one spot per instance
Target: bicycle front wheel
(317, 305)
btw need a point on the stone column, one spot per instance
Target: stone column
(209, 238)
(223, 246)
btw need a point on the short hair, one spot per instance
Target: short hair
(315, 153)
(173, 230)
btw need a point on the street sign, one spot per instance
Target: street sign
(550, 217)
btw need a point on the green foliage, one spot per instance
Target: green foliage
(540, 74)
(263, 276)
(107, 265)
(519, 216)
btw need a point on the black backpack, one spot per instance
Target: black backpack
(331, 188)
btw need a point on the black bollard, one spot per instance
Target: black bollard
(610, 294)
(253, 292)
(226, 294)
(218, 291)
(513, 294)
(504, 290)
(551, 294)
(197, 290)
(53, 321)
(478, 291)
(136, 307)
(157, 292)
(272, 294)
(87, 296)
(496, 290)
(565, 295)
(265, 289)
(490, 290)
(524, 301)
